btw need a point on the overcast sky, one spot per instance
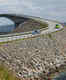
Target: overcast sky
(50, 9)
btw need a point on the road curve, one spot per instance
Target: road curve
(51, 28)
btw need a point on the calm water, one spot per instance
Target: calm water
(50, 9)
(62, 76)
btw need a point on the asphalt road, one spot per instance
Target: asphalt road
(51, 28)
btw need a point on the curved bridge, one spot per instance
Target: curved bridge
(17, 19)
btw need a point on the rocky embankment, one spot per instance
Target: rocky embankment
(35, 57)
(30, 25)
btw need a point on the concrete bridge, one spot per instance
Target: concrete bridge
(19, 19)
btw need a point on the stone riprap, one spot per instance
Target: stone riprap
(35, 57)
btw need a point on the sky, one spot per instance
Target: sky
(48, 9)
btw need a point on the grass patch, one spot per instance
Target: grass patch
(36, 36)
(50, 36)
(5, 42)
(5, 74)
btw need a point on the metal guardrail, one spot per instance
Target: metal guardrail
(17, 34)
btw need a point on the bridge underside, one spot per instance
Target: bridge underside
(17, 19)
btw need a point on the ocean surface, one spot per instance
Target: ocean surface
(62, 76)
(49, 9)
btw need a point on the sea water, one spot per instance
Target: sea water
(62, 76)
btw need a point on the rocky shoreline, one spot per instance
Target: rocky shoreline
(36, 58)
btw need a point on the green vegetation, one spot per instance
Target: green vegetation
(57, 26)
(50, 36)
(5, 42)
(43, 35)
(5, 74)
